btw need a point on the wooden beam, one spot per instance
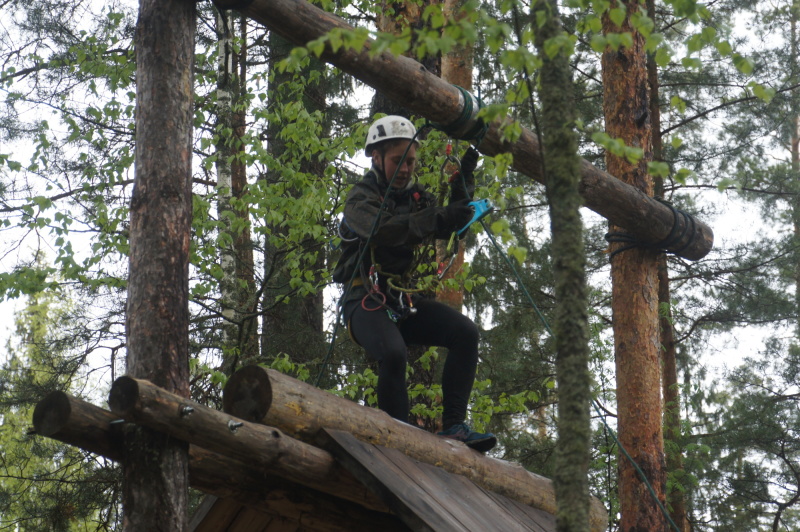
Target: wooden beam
(264, 448)
(77, 422)
(427, 95)
(265, 396)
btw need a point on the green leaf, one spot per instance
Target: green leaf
(663, 56)
(617, 15)
(692, 62)
(658, 169)
(723, 47)
(678, 103)
(683, 175)
(598, 43)
(743, 64)
(764, 93)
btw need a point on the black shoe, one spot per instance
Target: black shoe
(475, 440)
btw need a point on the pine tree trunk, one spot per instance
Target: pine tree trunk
(670, 389)
(243, 242)
(570, 326)
(155, 467)
(634, 276)
(795, 141)
(295, 328)
(456, 69)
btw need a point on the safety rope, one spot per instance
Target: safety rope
(475, 127)
(547, 326)
(595, 403)
(674, 237)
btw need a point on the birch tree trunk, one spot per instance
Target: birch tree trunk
(155, 467)
(237, 286)
(634, 277)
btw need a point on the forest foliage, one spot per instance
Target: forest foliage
(729, 119)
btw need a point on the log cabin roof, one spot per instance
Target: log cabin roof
(285, 455)
(421, 497)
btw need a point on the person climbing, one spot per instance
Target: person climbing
(387, 215)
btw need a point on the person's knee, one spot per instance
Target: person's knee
(466, 334)
(393, 362)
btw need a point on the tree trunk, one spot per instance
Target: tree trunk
(237, 286)
(670, 388)
(301, 410)
(795, 143)
(155, 467)
(295, 328)
(570, 326)
(634, 276)
(456, 69)
(426, 95)
(264, 448)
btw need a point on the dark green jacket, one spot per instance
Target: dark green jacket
(408, 218)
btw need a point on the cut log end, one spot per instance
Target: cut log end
(123, 396)
(248, 394)
(51, 413)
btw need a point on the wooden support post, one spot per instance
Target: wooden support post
(426, 95)
(76, 422)
(301, 410)
(155, 469)
(264, 448)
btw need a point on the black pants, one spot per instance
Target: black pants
(434, 324)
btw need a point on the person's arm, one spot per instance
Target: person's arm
(362, 207)
(462, 184)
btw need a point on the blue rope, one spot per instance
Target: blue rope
(594, 401)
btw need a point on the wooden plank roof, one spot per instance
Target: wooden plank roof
(426, 497)
(422, 497)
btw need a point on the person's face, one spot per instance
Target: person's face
(389, 162)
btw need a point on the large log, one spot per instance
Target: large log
(265, 396)
(265, 448)
(425, 94)
(76, 422)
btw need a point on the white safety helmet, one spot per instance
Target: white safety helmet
(389, 128)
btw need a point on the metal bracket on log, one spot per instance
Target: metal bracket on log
(429, 96)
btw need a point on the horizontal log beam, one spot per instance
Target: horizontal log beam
(429, 96)
(76, 422)
(264, 448)
(266, 396)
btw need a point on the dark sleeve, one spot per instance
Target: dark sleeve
(361, 210)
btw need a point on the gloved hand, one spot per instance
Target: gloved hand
(458, 214)
(463, 183)
(468, 164)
